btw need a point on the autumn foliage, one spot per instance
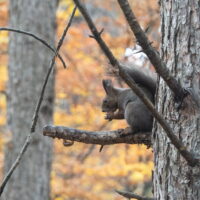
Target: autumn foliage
(81, 171)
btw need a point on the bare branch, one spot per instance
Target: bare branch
(83, 156)
(35, 37)
(97, 137)
(35, 116)
(131, 83)
(132, 195)
(152, 54)
(96, 34)
(99, 33)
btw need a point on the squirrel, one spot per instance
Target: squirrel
(123, 103)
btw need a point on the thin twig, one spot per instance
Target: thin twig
(35, 116)
(131, 195)
(96, 33)
(97, 137)
(82, 157)
(35, 37)
(189, 157)
(152, 54)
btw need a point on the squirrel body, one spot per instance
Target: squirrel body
(123, 103)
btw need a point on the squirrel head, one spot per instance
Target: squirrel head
(110, 101)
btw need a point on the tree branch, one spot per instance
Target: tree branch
(83, 156)
(35, 116)
(152, 54)
(35, 37)
(96, 137)
(132, 195)
(189, 157)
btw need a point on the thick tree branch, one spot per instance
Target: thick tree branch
(97, 137)
(132, 195)
(35, 37)
(152, 54)
(173, 138)
(35, 116)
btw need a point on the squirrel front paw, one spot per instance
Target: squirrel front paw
(109, 116)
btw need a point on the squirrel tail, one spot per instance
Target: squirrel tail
(140, 77)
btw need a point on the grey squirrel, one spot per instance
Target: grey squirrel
(121, 103)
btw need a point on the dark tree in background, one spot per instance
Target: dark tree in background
(28, 65)
(173, 178)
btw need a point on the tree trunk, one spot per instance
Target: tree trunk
(28, 65)
(173, 178)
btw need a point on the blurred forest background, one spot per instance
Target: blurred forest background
(81, 171)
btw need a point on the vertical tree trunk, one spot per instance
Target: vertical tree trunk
(28, 65)
(173, 178)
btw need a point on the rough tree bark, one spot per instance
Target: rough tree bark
(173, 178)
(28, 65)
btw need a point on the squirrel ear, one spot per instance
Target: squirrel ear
(107, 85)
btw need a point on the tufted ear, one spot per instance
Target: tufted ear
(108, 87)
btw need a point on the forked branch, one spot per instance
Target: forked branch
(35, 37)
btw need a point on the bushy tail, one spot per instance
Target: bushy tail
(140, 75)
(143, 79)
